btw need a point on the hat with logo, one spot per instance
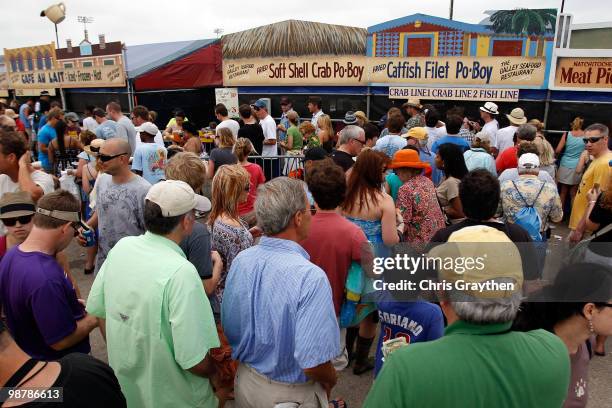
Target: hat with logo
(517, 117)
(407, 158)
(350, 118)
(476, 255)
(260, 104)
(529, 161)
(11, 113)
(315, 153)
(176, 198)
(150, 128)
(17, 204)
(490, 107)
(418, 133)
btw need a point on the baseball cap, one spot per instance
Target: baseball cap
(71, 116)
(483, 136)
(149, 128)
(494, 258)
(16, 205)
(315, 153)
(260, 104)
(419, 133)
(529, 161)
(176, 198)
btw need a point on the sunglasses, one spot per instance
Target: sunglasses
(592, 140)
(23, 220)
(75, 226)
(105, 158)
(360, 141)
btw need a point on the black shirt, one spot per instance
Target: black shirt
(603, 217)
(87, 382)
(343, 159)
(514, 232)
(254, 133)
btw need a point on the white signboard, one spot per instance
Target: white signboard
(228, 97)
(456, 94)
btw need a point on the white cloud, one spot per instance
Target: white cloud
(139, 22)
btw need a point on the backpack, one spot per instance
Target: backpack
(528, 217)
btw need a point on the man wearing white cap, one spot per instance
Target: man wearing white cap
(149, 158)
(156, 319)
(530, 192)
(488, 112)
(504, 137)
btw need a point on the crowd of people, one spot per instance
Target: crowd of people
(220, 281)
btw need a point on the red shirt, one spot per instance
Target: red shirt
(507, 160)
(333, 243)
(257, 177)
(19, 125)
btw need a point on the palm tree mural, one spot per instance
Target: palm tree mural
(524, 21)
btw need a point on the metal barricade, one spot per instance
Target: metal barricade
(275, 166)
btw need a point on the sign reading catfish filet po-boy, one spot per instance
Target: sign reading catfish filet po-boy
(306, 70)
(477, 71)
(85, 77)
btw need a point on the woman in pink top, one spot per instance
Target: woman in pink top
(242, 149)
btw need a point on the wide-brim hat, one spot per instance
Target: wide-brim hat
(11, 113)
(350, 118)
(490, 107)
(93, 148)
(16, 204)
(414, 103)
(517, 117)
(407, 158)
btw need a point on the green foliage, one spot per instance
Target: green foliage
(524, 21)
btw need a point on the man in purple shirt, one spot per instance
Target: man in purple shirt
(42, 311)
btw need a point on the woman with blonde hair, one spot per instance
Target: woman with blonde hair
(243, 149)
(362, 119)
(223, 153)
(326, 132)
(570, 149)
(546, 152)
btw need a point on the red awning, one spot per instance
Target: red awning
(198, 69)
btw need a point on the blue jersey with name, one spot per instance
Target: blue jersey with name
(416, 321)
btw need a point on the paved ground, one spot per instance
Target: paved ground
(354, 388)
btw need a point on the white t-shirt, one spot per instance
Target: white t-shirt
(433, 134)
(504, 138)
(491, 129)
(231, 124)
(42, 179)
(315, 119)
(268, 125)
(90, 124)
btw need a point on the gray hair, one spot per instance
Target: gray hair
(350, 132)
(485, 311)
(526, 132)
(277, 202)
(603, 129)
(7, 121)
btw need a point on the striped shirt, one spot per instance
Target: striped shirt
(277, 311)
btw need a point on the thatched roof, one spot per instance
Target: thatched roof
(293, 37)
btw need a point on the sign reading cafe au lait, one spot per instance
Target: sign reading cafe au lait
(85, 77)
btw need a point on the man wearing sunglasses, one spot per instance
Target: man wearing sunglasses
(120, 195)
(42, 310)
(596, 142)
(352, 140)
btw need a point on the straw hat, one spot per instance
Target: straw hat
(13, 205)
(407, 158)
(11, 113)
(414, 103)
(517, 117)
(93, 148)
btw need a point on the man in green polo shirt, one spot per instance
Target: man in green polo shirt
(152, 308)
(479, 362)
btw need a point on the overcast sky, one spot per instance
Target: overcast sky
(140, 22)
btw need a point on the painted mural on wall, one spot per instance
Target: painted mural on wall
(512, 49)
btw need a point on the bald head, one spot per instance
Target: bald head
(115, 146)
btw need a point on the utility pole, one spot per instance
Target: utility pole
(451, 9)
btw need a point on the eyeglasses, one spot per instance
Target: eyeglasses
(23, 220)
(105, 158)
(75, 226)
(592, 140)
(360, 141)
